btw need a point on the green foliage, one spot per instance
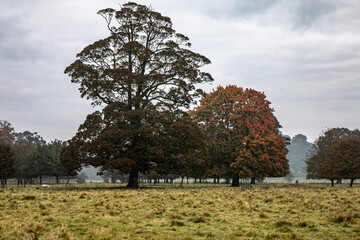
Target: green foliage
(36, 158)
(24, 165)
(29, 137)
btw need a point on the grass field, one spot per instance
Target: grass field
(265, 212)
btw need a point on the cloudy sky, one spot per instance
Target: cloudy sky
(304, 54)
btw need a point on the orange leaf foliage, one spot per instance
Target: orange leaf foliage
(242, 132)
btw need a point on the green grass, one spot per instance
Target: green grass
(265, 212)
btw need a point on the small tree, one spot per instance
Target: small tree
(319, 151)
(81, 178)
(343, 160)
(7, 162)
(25, 168)
(32, 156)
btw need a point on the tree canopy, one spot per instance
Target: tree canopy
(237, 121)
(320, 150)
(143, 62)
(342, 160)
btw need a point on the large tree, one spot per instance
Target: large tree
(319, 151)
(233, 117)
(7, 162)
(342, 160)
(143, 73)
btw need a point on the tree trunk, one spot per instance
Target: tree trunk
(57, 180)
(332, 182)
(133, 179)
(235, 181)
(252, 180)
(214, 180)
(40, 179)
(351, 182)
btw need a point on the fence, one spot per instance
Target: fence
(172, 183)
(142, 183)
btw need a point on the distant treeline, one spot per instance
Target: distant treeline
(27, 157)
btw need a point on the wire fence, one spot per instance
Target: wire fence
(244, 184)
(141, 183)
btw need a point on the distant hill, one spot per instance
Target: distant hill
(298, 149)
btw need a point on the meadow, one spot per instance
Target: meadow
(264, 212)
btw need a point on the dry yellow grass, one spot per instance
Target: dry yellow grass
(265, 212)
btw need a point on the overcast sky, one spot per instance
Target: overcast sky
(305, 56)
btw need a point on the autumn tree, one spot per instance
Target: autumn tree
(7, 133)
(236, 120)
(7, 162)
(319, 151)
(143, 74)
(262, 156)
(342, 160)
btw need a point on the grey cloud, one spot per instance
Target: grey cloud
(301, 14)
(309, 72)
(238, 9)
(14, 40)
(308, 12)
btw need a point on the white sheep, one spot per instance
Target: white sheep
(45, 186)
